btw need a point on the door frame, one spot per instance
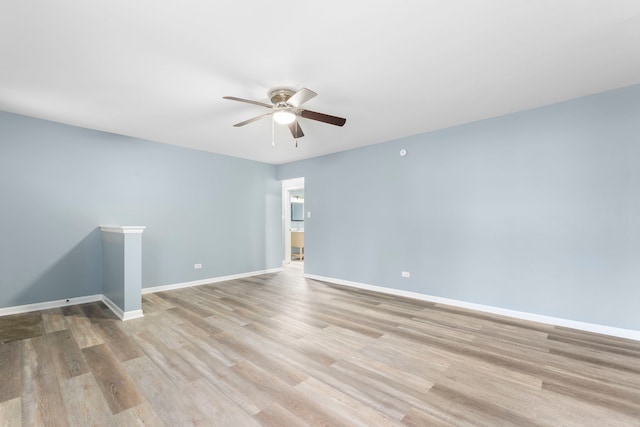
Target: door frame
(288, 185)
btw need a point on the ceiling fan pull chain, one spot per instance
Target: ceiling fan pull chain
(273, 132)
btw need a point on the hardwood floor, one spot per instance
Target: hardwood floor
(279, 350)
(20, 326)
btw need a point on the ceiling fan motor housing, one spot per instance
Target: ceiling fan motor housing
(280, 96)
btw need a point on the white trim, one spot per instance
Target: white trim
(133, 314)
(556, 321)
(288, 185)
(125, 315)
(200, 282)
(47, 305)
(123, 229)
(18, 309)
(122, 315)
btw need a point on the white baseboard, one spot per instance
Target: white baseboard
(122, 315)
(200, 282)
(18, 309)
(556, 321)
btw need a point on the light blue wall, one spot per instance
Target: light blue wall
(537, 211)
(58, 183)
(122, 270)
(113, 264)
(274, 244)
(132, 272)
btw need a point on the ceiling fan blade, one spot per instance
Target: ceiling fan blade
(254, 119)
(325, 118)
(296, 130)
(300, 97)
(248, 101)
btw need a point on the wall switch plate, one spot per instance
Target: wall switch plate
(197, 265)
(309, 214)
(405, 274)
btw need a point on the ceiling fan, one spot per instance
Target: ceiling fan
(285, 109)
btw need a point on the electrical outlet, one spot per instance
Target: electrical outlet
(197, 266)
(405, 274)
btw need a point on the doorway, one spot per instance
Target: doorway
(293, 222)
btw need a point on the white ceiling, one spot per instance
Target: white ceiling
(158, 69)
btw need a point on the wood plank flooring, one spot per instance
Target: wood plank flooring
(279, 350)
(20, 326)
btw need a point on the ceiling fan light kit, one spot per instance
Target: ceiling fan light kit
(285, 110)
(284, 116)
